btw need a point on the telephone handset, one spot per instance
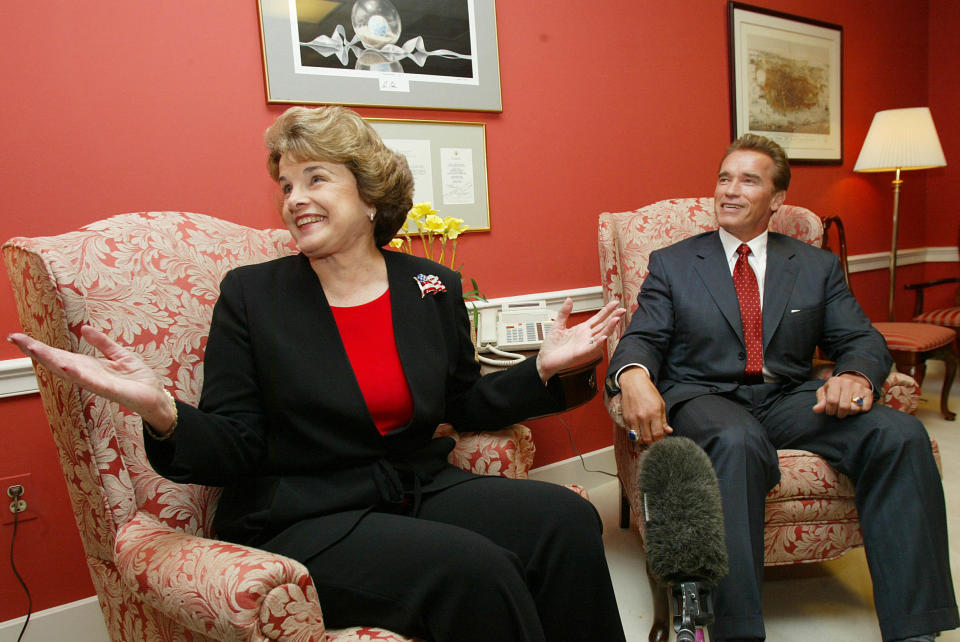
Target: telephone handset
(517, 326)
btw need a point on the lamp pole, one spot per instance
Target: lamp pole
(893, 243)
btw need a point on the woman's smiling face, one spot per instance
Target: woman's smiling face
(322, 207)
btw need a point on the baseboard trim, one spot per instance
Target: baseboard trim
(573, 471)
(80, 621)
(881, 260)
(17, 378)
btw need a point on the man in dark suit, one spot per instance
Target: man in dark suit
(704, 358)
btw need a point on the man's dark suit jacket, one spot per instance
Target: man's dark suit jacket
(687, 329)
(282, 423)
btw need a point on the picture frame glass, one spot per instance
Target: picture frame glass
(434, 54)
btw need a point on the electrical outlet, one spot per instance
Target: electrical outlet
(25, 501)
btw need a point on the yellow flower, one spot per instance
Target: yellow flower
(434, 230)
(434, 224)
(454, 227)
(420, 210)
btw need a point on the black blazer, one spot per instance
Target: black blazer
(283, 426)
(687, 329)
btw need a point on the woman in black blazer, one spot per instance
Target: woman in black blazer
(325, 376)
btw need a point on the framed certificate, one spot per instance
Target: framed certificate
(449, 164)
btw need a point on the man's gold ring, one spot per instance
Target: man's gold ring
(858, 401)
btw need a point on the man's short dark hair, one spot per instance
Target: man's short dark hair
(754, 143)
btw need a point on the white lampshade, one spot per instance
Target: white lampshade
(901, 139)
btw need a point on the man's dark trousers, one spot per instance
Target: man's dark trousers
(887, 455)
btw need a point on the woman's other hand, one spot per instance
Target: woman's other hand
(119, 375)
(565, 346)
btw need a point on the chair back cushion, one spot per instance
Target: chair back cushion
(149, 280)
(626, 240)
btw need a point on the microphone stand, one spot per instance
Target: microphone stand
(692, 609)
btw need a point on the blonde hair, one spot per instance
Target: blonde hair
(339, 135)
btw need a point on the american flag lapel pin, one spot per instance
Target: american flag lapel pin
(429, 284)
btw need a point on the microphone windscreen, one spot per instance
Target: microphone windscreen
(683, 517)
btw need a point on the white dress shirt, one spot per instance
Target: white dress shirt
(757, 257)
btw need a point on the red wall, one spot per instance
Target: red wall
(115, 106)
(942, 223)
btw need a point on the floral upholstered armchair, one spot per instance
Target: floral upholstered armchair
(810, 515)
(150, 280)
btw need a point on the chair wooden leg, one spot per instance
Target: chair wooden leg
(949, 358)
(920, 372)
(624, 509)
(660, 629)
(909, 363)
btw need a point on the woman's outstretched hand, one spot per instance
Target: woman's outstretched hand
(119, 375)
(565, 346)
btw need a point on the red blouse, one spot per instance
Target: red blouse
(367, 334)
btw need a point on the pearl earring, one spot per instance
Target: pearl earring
(372, 214)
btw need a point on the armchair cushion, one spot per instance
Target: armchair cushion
(943, 316)
(915, 337)
(507, 453)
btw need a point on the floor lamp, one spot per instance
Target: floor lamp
(900, 140)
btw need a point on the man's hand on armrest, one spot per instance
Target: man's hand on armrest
(644, 411)
(848, 393)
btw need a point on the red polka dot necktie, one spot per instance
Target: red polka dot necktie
(748, 293)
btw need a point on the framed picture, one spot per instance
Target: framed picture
(786, 81)
(433, 54)
(449, 165)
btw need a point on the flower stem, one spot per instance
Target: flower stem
(423, 240)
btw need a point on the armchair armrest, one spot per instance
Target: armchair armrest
(614, 408)
(901, 392)
(508, 452)
(920, 288)
(222, 590)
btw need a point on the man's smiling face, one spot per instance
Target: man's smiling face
(745, 197)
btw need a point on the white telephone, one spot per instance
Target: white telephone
(517, 326)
